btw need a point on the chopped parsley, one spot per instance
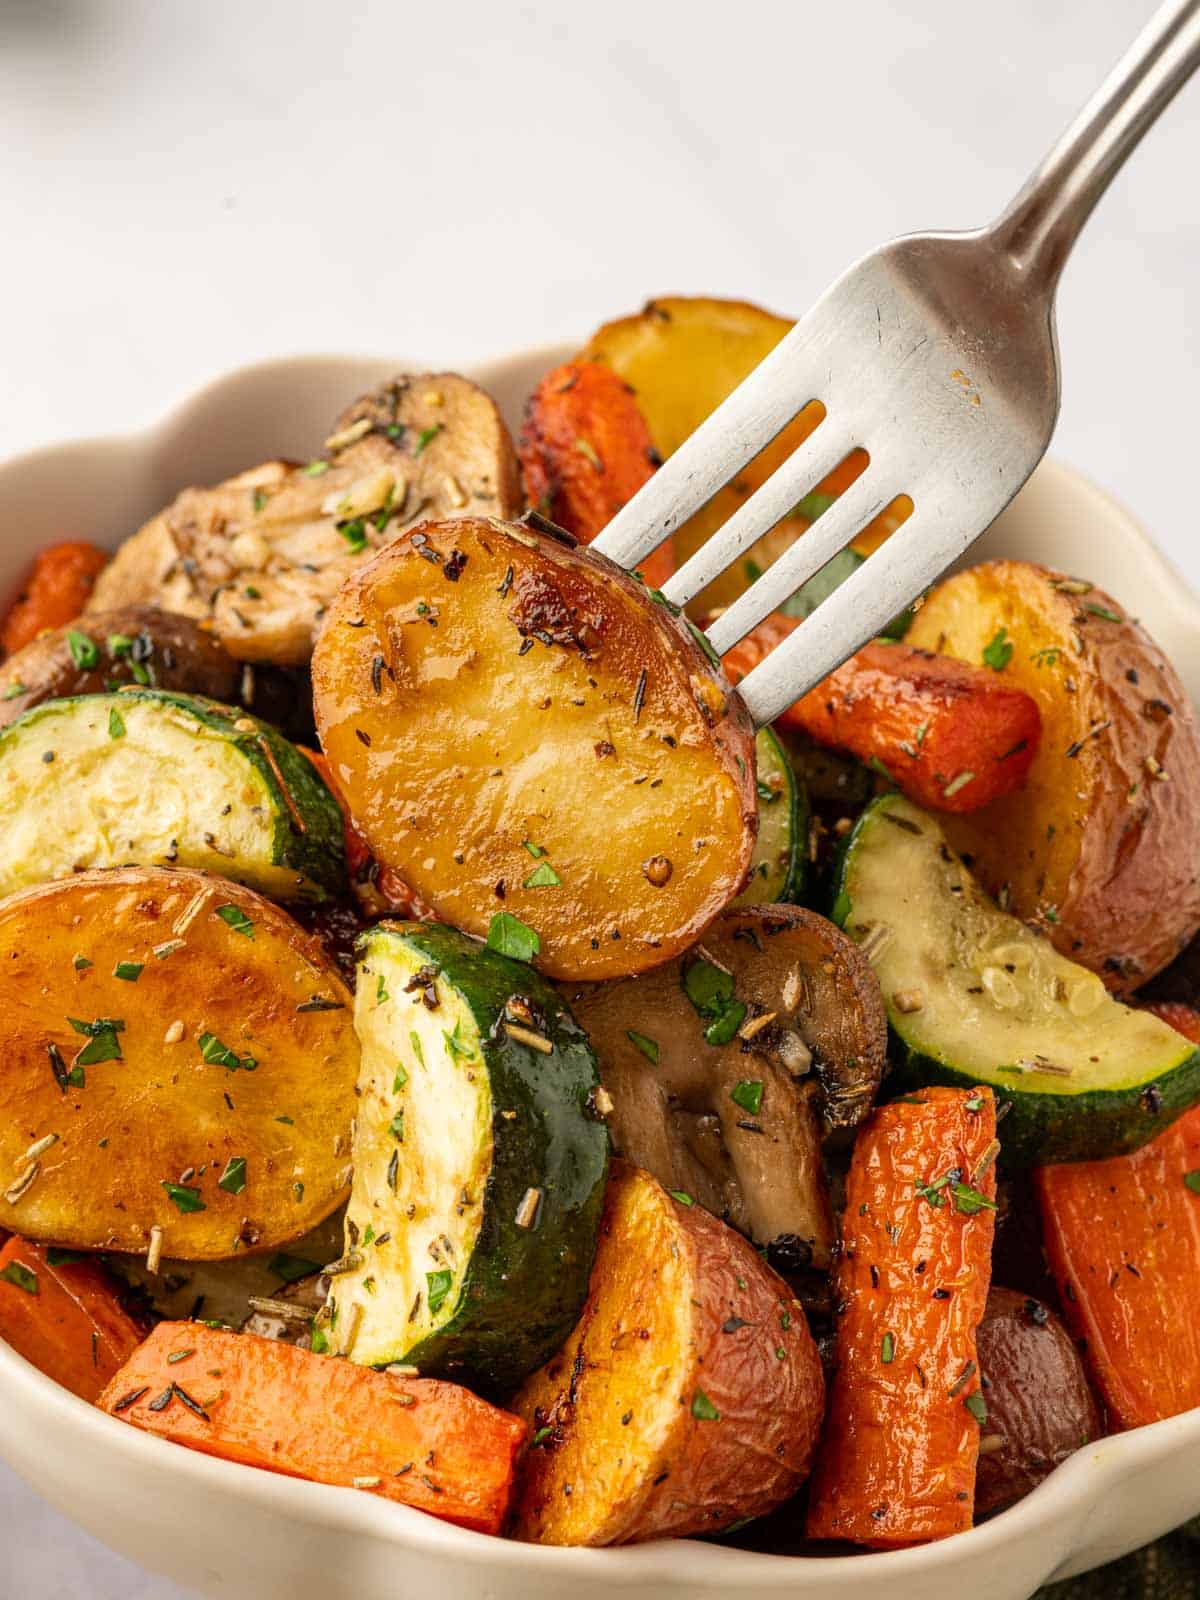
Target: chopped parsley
(643, 1042)
(129, 971)
(998, 653)
(543, 876)
(680, 1195)
(426, 437)
(1192, 1180)
(233, 1179)
(20, 1277)
(748, 1094)
(184, 1198)
(535, 850)
(977, 1406)
(116, 724)
(80, 963)
(710, 989)
(235, 918)
(213, 1050)
(887, 1349)
(104, 1045)
(509, 936)
(438, 1288)
(703, 1409)
(83, 650)
(969, 1201)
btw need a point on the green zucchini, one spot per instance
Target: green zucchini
(480, 1160)
(974, 996)
(145, 777)
(778, 868)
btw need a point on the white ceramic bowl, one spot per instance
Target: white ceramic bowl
(224, 1529)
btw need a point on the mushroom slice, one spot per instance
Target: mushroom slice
(262, 554)
(727, 1066)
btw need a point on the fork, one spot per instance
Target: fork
(937, 355)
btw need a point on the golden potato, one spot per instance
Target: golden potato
(689, 1396)
(1101, 848)
(178, 1055)
(517, 728)
(683, 356)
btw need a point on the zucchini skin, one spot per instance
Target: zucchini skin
(318, 853)
(1037, 1129)
(524, 1287)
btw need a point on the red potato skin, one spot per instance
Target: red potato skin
(897, 1459)
(1123, 1241)
(928, 719)
(431, 1445)
(74, 1329)
(585, 450)
(54, 593)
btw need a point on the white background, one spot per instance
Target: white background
(186, 186)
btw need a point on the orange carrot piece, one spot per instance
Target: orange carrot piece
(1184, 1019)
(54, 593)
(897, 1459)
(418, 1441)
(67, 1320)
(950, 735)
(1123, 1241)
(585, 450)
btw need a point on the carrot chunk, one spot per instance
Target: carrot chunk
(585, 450)
(951, 736)
(65, 1318)
(54, 593)
(1123, 1242)
(897, 1459)
(418, 1441)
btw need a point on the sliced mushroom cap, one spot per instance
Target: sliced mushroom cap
(727, 1066)
(263, 553)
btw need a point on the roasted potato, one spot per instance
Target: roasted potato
(689, 1396)
(682, 357)
(517, 727)
(263, 554)
(179, 1067)
(105, 649)
(1101, 848)
(1040, 1409)
(731, 1108)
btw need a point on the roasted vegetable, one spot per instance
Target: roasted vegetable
(779, 866)
(682, 357)
(268, 1404)
(147, 778)
(950, 736)
(585, 451)
(897, 1459)
(289, 1312)
(1102, 847)
(479, 1163)
(688, 1397)
(64, 1315)
(264, 553)
(56, 590)
(1184, 1019)
(520, 731)
(178, 1071)
(1123, 1241)
(722, 1065)
(974, 996)
(1039, 1407)
(108, 649)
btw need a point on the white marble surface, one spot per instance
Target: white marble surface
(186, 187)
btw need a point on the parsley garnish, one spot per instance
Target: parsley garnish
(439, 1287)
(703, 1409)
(711, 992)
(236, 919)
(648, 1046)
(543, 876)
(535, 850)
(748, 1094)
(999, 652)
(213, 1050)
(83, 650)
(1192, 1179)
(116, 724)
(130, 971)
(426, 437)
(680, 1195)
(977, 1406)
(887, 1349)
(21, 1277)
(509, 936)
(233, 1179)
(969, 1201)
(104, 1045)
(185, 1198)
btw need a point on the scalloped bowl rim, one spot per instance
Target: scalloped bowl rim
(1046, 1517)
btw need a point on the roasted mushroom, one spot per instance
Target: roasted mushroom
(264, 553)
(726, 1067)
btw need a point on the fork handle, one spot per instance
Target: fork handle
(1043, 222)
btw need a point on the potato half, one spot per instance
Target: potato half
(517, 727)
(263, 553)
(690, 1395)
(1101, 848)
(178, 1055)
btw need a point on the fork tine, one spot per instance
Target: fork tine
(858, 610)
(764, 403)
(814, 460)
(848, 515)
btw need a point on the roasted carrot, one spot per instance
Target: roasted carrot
(421, 1442)
(950, 735)
(897, 1459)
(585, 450)
(54, 593)
(1123, 1241)
(62, 1312)
(1184, 1019)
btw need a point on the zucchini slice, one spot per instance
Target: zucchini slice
(479, 1163)
(149, 778)
(777, 868)
(974, 996)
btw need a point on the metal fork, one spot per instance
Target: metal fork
(937, 355)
